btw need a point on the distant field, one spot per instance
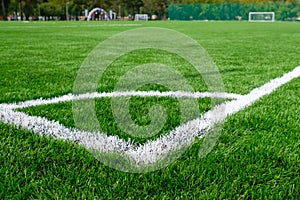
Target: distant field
(256, 157)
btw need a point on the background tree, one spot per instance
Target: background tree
(219, 10)
(3, 9)
(21, 9)
(29, 8)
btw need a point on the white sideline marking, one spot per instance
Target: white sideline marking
(151, 151)
(176, 94)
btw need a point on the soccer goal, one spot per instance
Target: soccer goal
(261, 17)
(141, 17)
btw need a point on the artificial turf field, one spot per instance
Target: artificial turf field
(256, 157)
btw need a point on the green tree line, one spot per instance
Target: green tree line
(233, 11)
(34, 8)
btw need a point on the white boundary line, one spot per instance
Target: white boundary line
(151, 151)
(176, 94)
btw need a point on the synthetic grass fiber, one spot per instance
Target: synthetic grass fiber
(256, 157)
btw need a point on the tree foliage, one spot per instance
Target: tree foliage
(121, 7)
(77, 7)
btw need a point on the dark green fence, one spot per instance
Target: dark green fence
(230, 11)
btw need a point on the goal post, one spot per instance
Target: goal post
(141, 17)
(261, 16)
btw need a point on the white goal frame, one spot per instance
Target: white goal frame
(262, 13)
(141, 17)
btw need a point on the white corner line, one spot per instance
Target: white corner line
(151, 151)
(94, 95)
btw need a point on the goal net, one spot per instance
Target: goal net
(261, 17)
(141, 17)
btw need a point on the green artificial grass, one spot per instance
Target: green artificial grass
(256, 157)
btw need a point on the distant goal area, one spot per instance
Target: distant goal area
(261, 16)
(141, 17)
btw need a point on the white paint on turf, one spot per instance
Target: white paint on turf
(171, 94)
(151, 151)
